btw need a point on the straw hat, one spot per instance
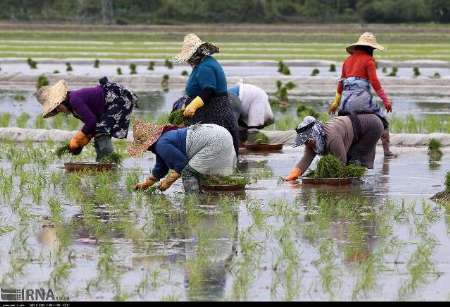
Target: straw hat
(190, 45)
(144, 136)
(51, 96)
(366, 39)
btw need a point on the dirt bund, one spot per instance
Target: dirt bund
(280, 137)
(320, 86)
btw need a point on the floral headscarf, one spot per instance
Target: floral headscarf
(310, 128)
(204, 50)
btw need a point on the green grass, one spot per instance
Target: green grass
(236, 43)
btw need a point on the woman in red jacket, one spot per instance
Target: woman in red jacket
(353, 92)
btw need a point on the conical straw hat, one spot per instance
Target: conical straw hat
(51, 96)
(144, 135)
(366, 39)
(190, 45)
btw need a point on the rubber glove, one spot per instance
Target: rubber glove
(78, 141)
(169, 180)
(148, 182)
(335, 104)
(195, 104)
(294, 174)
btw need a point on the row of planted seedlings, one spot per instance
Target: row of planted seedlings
(297, 249)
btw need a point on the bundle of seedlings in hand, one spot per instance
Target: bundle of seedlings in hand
(62, 150)
(176, 118)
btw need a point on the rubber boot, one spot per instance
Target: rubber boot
(190, 179)
(103, 146)
(385, 140)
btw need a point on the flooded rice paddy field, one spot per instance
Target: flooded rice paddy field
(21, 109)
(159, 69)
(90, 237)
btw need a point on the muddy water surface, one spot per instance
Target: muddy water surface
(89, 237)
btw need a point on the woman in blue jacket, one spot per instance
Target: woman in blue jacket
(207, 87)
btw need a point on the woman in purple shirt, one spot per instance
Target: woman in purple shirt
(104, 109)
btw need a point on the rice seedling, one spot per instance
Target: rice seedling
(42, 80)
(176, 118)
(168, 64)
(19, 97)
(282, 92)
(69, 67)
(436, 75)
(36, 186)
(184, 73)
(384, 70)
(6, 185)
(151, 65)
(283, 68)
(327, 267)
(447, 182)
(119, 71)
(332, 67)
(55, 178)
(4, 229)
(315, 72)
(56, 71)
(57, 121)
(393, 72)
(22, 120)
(96, 63)
(112, 158)
(303, 111)
(165, 83)
(434, 149)
(72, 123)
(416, 72)
(40, 123)
(31, 63)
(133, 69)
(5, 119)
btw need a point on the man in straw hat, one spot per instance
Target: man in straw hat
(206, 88)
(201, 149)
(105, 111)
(352, 139)
(358, 73)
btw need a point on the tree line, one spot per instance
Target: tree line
(225, 11)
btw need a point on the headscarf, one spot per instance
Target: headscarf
(310, 128)
(204, 50)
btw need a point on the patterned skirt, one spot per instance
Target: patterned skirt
(119, 103)
(218, 111)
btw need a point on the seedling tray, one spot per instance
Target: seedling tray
(88, 166)
(328, 181)
(264, 147)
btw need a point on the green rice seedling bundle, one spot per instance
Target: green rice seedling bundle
(96, 63)
(5, 118)
(176, 118)
(416, 71)
(62, 150)
(22, 120)
(235, 179)
(184, 73)
(330, 167)
(69, 67)
(283, 68)
(394, 71)
(315, 72)
(133, 70)
(332, 67)
(119, 70)
(151, 65)
(168, 64)
(303, 111)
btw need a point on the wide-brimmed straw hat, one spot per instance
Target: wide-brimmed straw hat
(51, 96)
(366, 39)
(144, 135)
(190, 45)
